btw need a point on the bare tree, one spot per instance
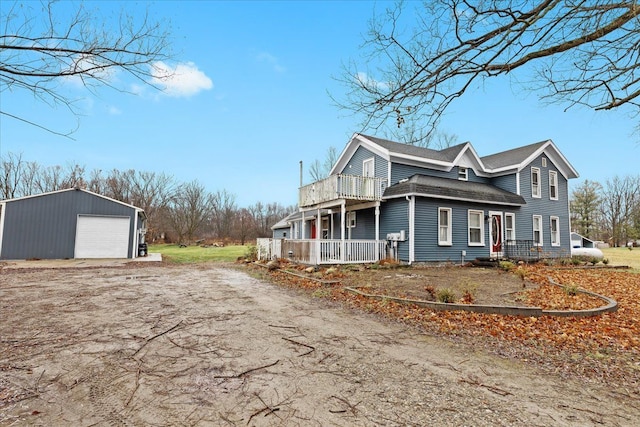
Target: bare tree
(582, 52)
(319, 170)
(620, 198)
(223, 208)
(152, 192)
(188, 210)
(11, 170)
(43, 46)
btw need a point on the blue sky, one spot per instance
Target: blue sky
(253, 102)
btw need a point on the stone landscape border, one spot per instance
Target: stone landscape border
(611, 304)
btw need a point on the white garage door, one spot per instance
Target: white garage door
(102, 237)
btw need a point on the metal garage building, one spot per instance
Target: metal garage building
(72, 223)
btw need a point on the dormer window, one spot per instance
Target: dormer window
(463, 174)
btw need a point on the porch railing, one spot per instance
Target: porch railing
(524, 250)
(342, 187)
(321, 251)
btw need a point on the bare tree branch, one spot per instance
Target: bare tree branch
(43, 48)
(582, 52)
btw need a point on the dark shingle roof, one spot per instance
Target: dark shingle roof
(511, 157)
(445, 188)
(446, 155)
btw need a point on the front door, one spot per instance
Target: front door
(495, 233)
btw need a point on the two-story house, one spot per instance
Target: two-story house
(387, 199)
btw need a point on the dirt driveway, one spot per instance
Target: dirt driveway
(209, 345)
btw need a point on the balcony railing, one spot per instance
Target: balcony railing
(336, 187)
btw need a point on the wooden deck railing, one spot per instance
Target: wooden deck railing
(335, 187)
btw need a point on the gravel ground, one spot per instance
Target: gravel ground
(209, 345)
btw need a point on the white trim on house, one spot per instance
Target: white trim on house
(480, 215)
(448, 240)
(539, 229)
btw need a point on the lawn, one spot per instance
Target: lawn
(623, 256)
(190, 254)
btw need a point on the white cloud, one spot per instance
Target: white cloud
(183, 80)
(114, 111)
(271, 60)
(366, 81)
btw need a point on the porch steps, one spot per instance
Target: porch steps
(486, 262)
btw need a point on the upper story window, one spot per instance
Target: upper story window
(476, 228)
(368, 168)
(544, 162)
(444, 227)
(553, 185)
(463, 173)
(535, 183)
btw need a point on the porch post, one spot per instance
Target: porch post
(412, 218)
(318, 237)
(343, 222)
(377, 252)
(302, 225)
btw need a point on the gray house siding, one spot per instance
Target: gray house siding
(354, 166)
(45, 226)
(506, 182)
(400, 171)
(545, 207)
(281, 233)
(394, 217)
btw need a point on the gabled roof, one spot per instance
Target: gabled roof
(453, 189)
(499, 163)
(72, 189)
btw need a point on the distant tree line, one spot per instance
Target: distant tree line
(609, 212)
(176, 212)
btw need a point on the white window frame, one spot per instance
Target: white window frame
(537, 220)
(351, 219)
(555, 234)
(480, 215)
(463, 173)
(445, 229)
(553, 185)
(370, 169)
(510, 233)
(536, 189)
(544, 162)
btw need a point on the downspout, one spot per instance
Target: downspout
(412, 213)
(377, 254)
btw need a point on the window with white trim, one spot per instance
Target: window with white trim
(351, 219)
(510, 226)
(463, 173)
(537, 230)
(535, 183)
(553, 185)
(444, 227)
(555, 231)
(476, 228)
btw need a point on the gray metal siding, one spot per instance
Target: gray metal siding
(281, 233)
(45, 226)
(354, 166)
(545, 207)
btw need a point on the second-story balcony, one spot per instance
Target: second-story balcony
(336, 187)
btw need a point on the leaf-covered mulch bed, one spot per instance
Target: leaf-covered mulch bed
(605, 347)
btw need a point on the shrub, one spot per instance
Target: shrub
(252, 253)
(507, 265)
(605, 261)
(571, 290)
(594, 260)
(446, 296)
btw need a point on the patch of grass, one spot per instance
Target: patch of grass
(623, 256)
(446, 296)
(195, 254)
